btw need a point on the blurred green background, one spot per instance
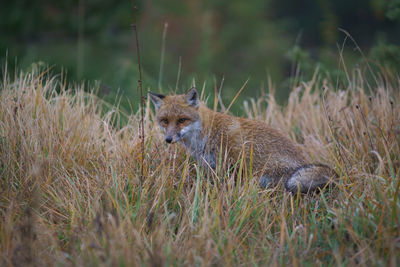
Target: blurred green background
(263, 40)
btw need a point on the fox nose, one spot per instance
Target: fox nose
(168, 139)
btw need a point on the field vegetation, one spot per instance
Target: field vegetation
(72, 193)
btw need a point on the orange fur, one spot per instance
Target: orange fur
(204, 132)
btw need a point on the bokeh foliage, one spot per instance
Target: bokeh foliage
(207, 40)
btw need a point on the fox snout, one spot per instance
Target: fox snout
(172, 137)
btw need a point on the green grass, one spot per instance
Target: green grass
(71, 192)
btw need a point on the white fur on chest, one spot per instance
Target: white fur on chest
(192, 139)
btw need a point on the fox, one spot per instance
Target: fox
(208, 134)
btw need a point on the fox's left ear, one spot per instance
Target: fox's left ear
(157, 99)
(192, 97)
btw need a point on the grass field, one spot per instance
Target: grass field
(71, 192)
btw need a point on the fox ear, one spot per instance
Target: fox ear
(192, 97)
(157, 99)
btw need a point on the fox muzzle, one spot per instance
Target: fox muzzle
(173, 138)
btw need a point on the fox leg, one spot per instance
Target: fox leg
(265, 181)
(309, 177)
(268, 181)
(210, 160)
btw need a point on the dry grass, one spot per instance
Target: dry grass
(71, 192)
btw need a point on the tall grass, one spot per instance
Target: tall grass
(71, 193)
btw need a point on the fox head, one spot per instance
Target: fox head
(178, 115)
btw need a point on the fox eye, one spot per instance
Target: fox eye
(182, 120)
(164, 121)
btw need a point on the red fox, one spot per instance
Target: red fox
(204, 132)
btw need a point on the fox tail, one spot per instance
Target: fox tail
(310, 177)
